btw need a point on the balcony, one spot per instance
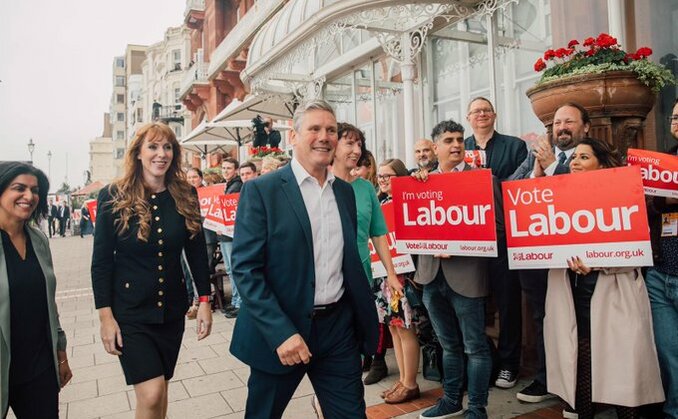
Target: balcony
(171, 113)
(196, 75)
(241, 35)
(194, 15)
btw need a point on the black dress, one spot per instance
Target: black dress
(143, 283)
(32, 361)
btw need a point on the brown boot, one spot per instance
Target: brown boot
(402, 394)
(378, 371)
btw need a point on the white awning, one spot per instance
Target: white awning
(275, 106)
(221, 136)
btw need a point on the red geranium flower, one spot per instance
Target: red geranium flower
(549, 54)
(589, 41)
(572, 43)
(590, 52)
(539, 65)
(643, 52)
(605, 41)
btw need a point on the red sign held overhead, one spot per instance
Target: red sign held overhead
(402, 263)
(451, 213)
(659, 171)
(550, 219)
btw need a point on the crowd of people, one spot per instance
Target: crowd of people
(301, 280)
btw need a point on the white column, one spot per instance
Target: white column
(616, 15)
(408, 71)
(491, 46)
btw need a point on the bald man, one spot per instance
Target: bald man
(424, 155)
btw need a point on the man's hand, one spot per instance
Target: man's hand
(421, 175)
(543, 152)
(294, 351)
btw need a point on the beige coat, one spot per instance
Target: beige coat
(624, 365)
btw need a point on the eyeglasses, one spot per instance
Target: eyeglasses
(673, 119)
(384, 177)
(486, 111)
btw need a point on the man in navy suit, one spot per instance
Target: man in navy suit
(571, 123)
(307, 307)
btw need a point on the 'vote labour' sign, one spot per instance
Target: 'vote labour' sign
(451, 213)
(659, 171)
(401, 263)
(599, 216)
(229, 206)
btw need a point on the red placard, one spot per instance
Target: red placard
(229, 206)
(92, 208)
(207, 195)
(402, 263)
(599, 216)
(659, 171)
(451, 213)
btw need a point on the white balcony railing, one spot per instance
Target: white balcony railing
(242, 33)
(198, 5)
(196, 74)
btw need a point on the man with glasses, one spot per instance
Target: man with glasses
(503, 154)
(662, 284)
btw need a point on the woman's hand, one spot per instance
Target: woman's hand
(65, 373)
(110, 331)
(394, 283)
(576, 264)
(204, 319)
(421, 175)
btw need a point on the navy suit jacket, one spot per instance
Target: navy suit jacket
(273, 268)
(507, 154)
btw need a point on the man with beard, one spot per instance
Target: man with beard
(571, 123)
(662, 283)
(424, 155)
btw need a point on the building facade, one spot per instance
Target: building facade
(101, 163)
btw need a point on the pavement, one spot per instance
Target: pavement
(208, 383)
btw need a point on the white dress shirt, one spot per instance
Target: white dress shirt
(552, 167)
(328, 238)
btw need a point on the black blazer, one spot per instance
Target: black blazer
(508, 153)
(273, 268)
(141, 281)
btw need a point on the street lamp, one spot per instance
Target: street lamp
(49, 163)
(31, 148)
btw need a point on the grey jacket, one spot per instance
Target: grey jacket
(58, 337)
(526, 168)
(466, 275)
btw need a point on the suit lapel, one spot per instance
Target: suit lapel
(4, 302)
(347, 225)
(296, 201)
(498, 148)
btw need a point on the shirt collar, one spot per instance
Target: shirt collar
(300, 174)
(460, 168)
(567, 152)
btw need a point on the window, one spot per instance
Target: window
(177, 95)
(121, 117)
(119, 80)
(140, 115)
(177, 131)
(176, 59)
(120, 98)
(120, 135)
(119, 153)
(120, 62)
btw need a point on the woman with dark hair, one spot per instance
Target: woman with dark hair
(597, 323)
(367, 168)
(33, 362)
(144, 221)
(395, 311)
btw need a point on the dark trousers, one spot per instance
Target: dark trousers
(62, 226)
(50, 225)
(36, 399)
(335, 373)
(534, 283)
(507, 295)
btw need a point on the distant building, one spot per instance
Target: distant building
(102, 166)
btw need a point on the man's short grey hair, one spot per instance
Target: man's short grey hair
(311, 105)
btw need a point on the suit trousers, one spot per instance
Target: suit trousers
(505, 286)
(534, 283)
(36, 399)
(335, 372)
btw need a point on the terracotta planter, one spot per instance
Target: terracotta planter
(617, 102)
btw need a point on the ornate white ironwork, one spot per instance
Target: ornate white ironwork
(387, 24)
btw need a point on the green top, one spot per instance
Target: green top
(371, 221)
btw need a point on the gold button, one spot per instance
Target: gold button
(159, 254)
(161, 280)
(155, 207)
(160, 230)
(160, 241)
(153, 196)
(159, 303)
(160, 293)
(160, 267)
(126, 284)
(157, 218)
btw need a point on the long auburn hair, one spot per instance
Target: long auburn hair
(130, 195)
